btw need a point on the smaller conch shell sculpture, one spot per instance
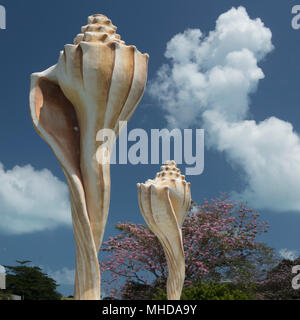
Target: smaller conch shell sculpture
(97, 83)
(164, 203)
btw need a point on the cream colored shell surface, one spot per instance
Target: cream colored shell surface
(97, 82)
(164, 203)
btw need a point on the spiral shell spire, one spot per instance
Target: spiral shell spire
(98, 29)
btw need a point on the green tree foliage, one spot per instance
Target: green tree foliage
(210, 291)
(4, 296)
(142, 291)
(30, 283)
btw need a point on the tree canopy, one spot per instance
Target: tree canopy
(30, 282)
(220, 243)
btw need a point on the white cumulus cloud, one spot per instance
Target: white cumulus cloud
(288, 254)
(217, 72)
(65, 276)
(208, 81)
(269, 154)
(32, 200)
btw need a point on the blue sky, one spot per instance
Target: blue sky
(257, 161)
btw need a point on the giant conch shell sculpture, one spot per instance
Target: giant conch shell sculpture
(164, 203)
(97, 82)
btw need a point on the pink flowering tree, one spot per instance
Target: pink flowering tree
(220, 243)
